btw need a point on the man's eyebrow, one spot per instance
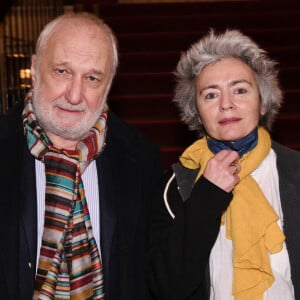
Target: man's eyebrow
(66, 64)
(58, 65)
(95, 71)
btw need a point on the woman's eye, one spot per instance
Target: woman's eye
(210, 96)
(241, 91)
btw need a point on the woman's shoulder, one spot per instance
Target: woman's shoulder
(177, 186)
(285, 152)
(288, 162)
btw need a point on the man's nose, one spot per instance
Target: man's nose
(74, 91)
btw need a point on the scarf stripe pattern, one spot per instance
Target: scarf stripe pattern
(69, 266)
(251, 223)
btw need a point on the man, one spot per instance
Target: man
(76, 183)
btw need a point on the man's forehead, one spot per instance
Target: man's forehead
(81, 41)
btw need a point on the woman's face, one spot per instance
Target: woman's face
(228, 99)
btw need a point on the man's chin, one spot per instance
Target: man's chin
(70, 129)
(69, 132)
(72, 135)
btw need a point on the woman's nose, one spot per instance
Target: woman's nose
(226, 102)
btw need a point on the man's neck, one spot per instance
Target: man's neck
(62, 143)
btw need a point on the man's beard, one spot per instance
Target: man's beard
(46, 120)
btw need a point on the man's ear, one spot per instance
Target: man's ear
(32, 69)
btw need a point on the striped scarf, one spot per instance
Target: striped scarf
(69, 265)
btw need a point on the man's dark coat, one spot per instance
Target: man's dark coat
(128, 172)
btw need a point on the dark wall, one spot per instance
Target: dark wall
(4, 7)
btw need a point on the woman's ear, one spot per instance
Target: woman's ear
(263, 110)
(199, 119)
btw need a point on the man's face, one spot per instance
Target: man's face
(70, 78)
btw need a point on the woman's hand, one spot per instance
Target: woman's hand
(222, 170)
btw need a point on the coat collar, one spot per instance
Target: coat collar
(185, 179)
(288, 165)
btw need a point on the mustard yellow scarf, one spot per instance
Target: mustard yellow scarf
(250, 220)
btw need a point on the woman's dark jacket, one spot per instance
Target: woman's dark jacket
(180, 247)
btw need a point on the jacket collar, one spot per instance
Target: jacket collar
(288, 165)
(185, 179)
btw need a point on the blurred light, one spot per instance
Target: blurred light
(24, 73)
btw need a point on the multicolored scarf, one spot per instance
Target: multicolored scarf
(251, 223)
(69, 265)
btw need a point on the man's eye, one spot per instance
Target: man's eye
(92, 78)
(61, 71)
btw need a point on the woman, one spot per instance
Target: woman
(228, 226)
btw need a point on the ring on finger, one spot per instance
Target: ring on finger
(235, 168)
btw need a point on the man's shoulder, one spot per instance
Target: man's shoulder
(11, 122)
(126, 135)
(11, 139)
(130, 153)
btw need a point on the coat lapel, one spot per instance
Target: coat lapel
(291, 224)
(107, 212)
(28, 226)
(119, 189)
(289, 178)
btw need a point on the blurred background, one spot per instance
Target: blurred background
(151, 35)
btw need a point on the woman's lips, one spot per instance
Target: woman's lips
(227, 121)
